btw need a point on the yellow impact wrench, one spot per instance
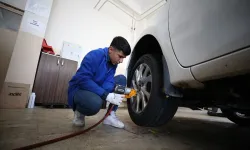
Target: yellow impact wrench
(128, 92)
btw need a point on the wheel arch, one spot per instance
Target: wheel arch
(148, 44)
(143, 46)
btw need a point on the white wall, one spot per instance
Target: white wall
(79, 23)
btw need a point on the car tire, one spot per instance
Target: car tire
(236, 117)
(159, 109)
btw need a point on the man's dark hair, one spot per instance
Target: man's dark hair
(121, 44)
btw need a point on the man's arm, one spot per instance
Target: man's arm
(86, 73)
(109, 83)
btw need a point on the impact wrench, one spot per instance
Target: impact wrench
(119, 89)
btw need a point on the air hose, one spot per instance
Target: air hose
(32, 146)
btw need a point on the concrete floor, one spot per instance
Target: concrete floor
(189, 130)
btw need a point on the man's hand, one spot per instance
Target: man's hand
(115, 99)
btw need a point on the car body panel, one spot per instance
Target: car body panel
(237, 63)
(195, 64)
(202, 30)
(157, 27)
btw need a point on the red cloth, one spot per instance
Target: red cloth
(46, 48)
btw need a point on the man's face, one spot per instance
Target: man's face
(116, 56)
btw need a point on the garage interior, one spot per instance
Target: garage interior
(42, 44)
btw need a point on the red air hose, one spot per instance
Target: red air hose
(64, 137)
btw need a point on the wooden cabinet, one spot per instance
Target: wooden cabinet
(52, 78)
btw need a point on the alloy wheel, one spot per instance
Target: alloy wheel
(142, 83)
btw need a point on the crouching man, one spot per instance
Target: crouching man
(94, 83)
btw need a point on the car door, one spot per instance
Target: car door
(201, 30)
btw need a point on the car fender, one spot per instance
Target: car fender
(174, 73)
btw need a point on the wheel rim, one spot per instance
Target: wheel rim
(142, 82)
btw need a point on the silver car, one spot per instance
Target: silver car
(193, 53)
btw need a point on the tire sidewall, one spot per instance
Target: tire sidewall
(230, 114)
(154, 105)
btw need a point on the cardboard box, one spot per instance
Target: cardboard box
(14, 95)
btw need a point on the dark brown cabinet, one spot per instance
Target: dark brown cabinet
(52, 78)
